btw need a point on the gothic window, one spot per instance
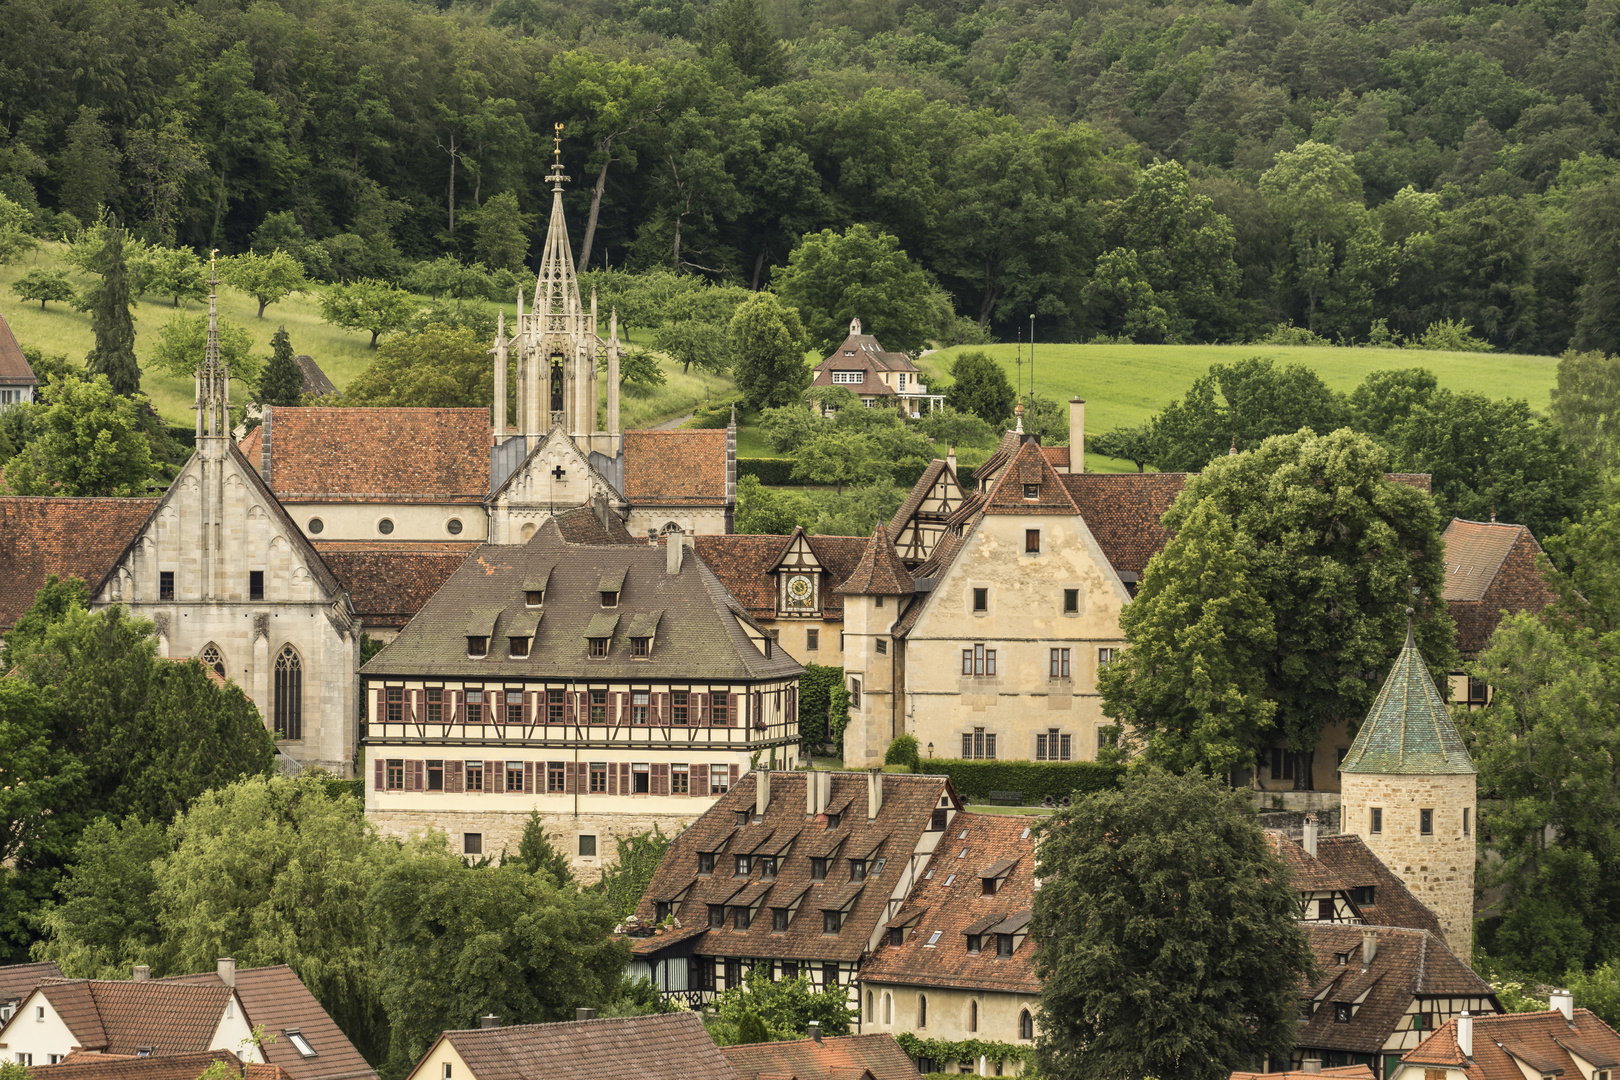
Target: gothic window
(556, 384)
(212, 659)
(289, 699)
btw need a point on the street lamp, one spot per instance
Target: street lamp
(930, 750)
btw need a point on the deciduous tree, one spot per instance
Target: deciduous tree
(267, 278)
(44, 286)
(767, 347)
(183, 342)
(367, 304)
(1242, 404)
(438, 367)
(839, 458)
(862, 273)
(980, 387)
(88, 442)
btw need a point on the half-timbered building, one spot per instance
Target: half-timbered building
(611, 687)
(789, 584)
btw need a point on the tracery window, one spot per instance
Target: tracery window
(211, 658)
(289, 699)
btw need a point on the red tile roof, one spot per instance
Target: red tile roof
(389, 583)
(276, 999)
(375, 455)
(120, 1017)
(674, 1046)
(14, 369)
(86, 1066)
(1122, 510)
(1027, 474)
(1540, 1039)
(1057, 455)
(743, 563)
(17, 981)
(948, 900)
(677, 468)
(582, 526)
(1310, 873)
(1339, 1072)
(1348, 858)
(879, 571)
(81, 538)
(806, 1059)
(1490, 568)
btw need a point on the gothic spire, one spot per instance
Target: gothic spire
(213, 390)
(556, 289)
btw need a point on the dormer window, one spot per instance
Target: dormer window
(897, 936)
(818, 869)
(744, 864)
(742, 817)
(857, 869)
(779, 919)
(610, 599)
(717, 915)
(1342, 1013)
(661, 910)
(973, 943)
(534, 597)
(1342, 959)
(477, 647)
(705, 862)
(598, 647)
(767, 867)
(987, 886)
(640, 646)
(833, 819)
(519, 648)
(832, 922)
(1361, 895)
(1004, 944)
(1032, 491)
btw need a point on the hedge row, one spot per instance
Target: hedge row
(778, 472)
(1036, 779)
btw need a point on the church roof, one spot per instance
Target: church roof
(388, 583)
(374, 455)
(879, 571)
(1409, 730)
(70, 538)
(675, 467)
(14, 369)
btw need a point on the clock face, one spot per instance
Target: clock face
(799, 590)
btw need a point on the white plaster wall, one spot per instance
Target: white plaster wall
(28, 1033)
(235, 1034)
(412, 521)
(948, 1011)
(697, 521)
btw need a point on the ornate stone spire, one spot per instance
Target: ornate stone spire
(556, 289)
(213, 379)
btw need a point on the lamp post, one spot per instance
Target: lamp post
(930, 751)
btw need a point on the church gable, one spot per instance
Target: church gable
(556, 474)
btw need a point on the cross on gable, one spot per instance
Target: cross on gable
(559, 473)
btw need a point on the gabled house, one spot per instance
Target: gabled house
(847, 1057)
(96, 1066)
(1340, 880)
(1564, 1042)
(1490, 569)
(17, 981)
(141, 1017)
(799, 873)
(956, 962)
(18, 383)
(878, 377)
(673, 1046)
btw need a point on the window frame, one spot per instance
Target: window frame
(981, 600)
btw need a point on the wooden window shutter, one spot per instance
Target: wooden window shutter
(655, 708)
(756, 709)
(623, 714)
(418, 775)
(528, 705)
(382, 709)
(584, 777)
(569, 787)
(613, 779)
(665, 716)
(528, 778)
(378, 768)
(408, 709)
(731, 710)
(461, 705)
(497, 770)
(452, 775)
(733, 776)
(660, 778)
(700, 779)
(624, 777)
(701, 703)
(497, 710)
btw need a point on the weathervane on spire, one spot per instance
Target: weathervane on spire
(557, 177)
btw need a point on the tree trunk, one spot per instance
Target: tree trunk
(759, 266)
(450, 196)
(596, 206)
(219, 206)
(675, 262)
(262, 305)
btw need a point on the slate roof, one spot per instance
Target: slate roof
(1407, 964)
(675, 468)
(1348, 858)
(17, 981)
(123, 1017)
(908, 805)
(81, 538)
(277, 999)
(376, 455)
(1490, 568)
(1544, 1040)
(389, 583)
(1408, 731)
(83, 1066)
(846, 1056)
(674, 1046)
(743, 563)
(879, 572)
(952, 909)
(698, 635)
(14, 367)
(316, 383)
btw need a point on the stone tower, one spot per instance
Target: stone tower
(557, 350)
(873, 595)
(1408, 790)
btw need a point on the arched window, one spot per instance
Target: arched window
(1026, 1025)
(670, 527)
(922, 1010)
(289, 699)
(888, 1009)
(871, 1013)
(973, 1016)
(211, 658)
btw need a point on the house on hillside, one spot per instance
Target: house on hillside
(17, 981)
(18, 384)
(1490, 569)
(878, 377)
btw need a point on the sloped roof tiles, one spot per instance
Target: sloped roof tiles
(675, 1046)
(675, 467)
(1408, 730)
(849, 1056)
(81, 538)
(376, 454)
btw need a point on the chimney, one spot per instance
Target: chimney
(762, 791)
(489, 1021)
(1465, 1034)
(1310, 835)
(142, 972)
(584, 1014)
(950, 459)
(874, 793)
(1561, 1001)
(674, 549)
(814, 1030)
(1369, 947)
(226, 967)
(1313, 1065)
(1077, 435)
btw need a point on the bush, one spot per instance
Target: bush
(772, 472)
(1036, 779)
(815, 695)
(716, 415)
(903, 751)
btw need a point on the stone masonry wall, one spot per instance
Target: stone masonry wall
(1439, 869)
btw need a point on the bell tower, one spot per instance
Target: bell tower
(1408, 790)
(213, 407)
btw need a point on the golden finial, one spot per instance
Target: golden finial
(556, 142)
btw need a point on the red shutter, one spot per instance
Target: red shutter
(569, 786)
(756, 709)
(664, 714)
(528, 778)
(660, 778)
(378, 768)
(733, 776)
(452, 776)
(496, 771)
(496, 709)
(700, 779)
(731, 710)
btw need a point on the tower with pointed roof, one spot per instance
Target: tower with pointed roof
(873, 595)
(1408, 790)
(213, 407)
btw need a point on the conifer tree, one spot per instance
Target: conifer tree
(283, 381)
(538, 855)
(110, 318)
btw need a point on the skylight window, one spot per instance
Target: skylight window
(300, 1043)
(949, 880)
(1024, 835)
(932, 938)
(963, 836)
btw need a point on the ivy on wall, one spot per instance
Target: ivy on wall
(945, 1051)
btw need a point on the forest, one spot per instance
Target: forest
(1344, 170)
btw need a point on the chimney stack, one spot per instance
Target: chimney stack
(584, 1014)
(226, 967)
(762, 791)
(1562, 1001)
(142, 972)
(1077, 435)
(1465, 1034)
(814, 1030)
(1310, 835)
(675, 548)
(1313, 1065)
(1369, 947)
(874, 793)
(489, 1021)
(950, 459)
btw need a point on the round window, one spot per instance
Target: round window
(385, 526)
(454, 526)
(316, 525)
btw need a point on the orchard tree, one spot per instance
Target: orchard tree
(368, 304)
(767, 348)
(439, 366)
(110, 319)
(839, 458)
(863, 274)
(1170, 940)
(1133, 444)
(266, 278)
(174, 272)
(88, 441)
(282, 382)
(183, 342)
(44, 286)
(982, 388)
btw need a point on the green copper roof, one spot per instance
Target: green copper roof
(1409, 730)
